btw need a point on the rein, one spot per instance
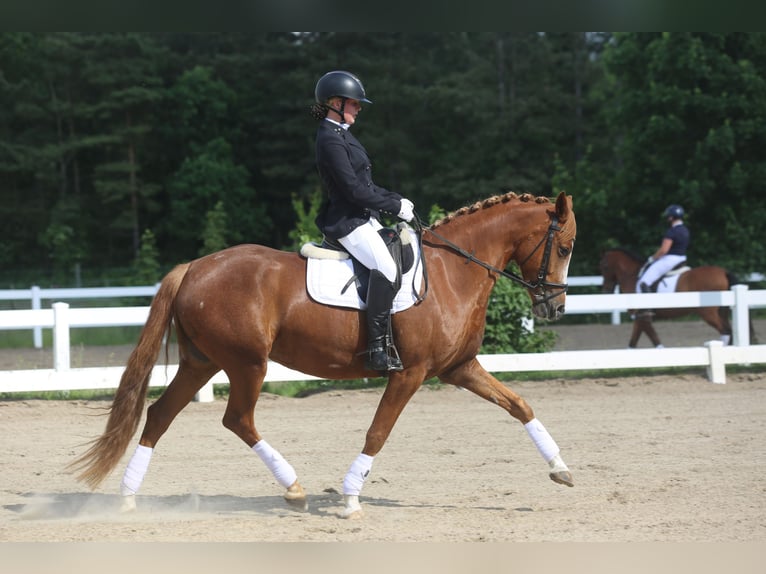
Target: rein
(537, 287)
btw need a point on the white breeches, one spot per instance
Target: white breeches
(658, 269)
(368, 247)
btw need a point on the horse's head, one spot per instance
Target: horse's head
(546, 265)
(619, 266)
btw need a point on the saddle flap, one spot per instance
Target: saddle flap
(329, 276)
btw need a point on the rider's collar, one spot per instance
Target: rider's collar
(344, 126)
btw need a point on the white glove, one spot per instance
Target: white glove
(406, 210)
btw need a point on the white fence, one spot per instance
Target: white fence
(714, 356)
(35, 295)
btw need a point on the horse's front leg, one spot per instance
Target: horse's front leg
(473, 377)
(652, 334)
(643, 324)
(399, 390)
(635, 334)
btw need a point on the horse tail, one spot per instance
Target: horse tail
(128, 404)
(732, 279)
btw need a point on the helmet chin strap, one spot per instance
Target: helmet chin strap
(340, 112)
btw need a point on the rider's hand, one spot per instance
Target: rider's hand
(406, 211)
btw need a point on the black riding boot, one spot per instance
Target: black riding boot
(380, 296)
(645, 313)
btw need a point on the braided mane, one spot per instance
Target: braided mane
(489, 202)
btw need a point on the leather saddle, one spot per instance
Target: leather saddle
(397, 239)
(679, 269)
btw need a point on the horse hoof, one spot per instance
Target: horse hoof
(128, 503)
(295, 492)
(352, 509)
(295, 496)
(562, 477)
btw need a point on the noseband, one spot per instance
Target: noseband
(539, 286)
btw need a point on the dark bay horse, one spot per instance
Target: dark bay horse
(235, 309)
(620, 267)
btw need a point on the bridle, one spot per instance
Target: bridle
(537, 287)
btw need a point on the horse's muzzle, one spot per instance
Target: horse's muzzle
(550, 310)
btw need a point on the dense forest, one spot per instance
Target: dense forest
(122, 147)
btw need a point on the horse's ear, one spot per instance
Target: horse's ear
(563, 206)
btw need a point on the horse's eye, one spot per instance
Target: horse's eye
(564, 251)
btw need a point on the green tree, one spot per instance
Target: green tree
(146, 266)
(588, 185)
(305, 230)
(214, 233)
(201, 182)
(39, 143)
(108, 134)
(65, 250)
(122, 71)
(691, 116)
(508, 315)
(198, 107)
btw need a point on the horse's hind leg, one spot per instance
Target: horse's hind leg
(473, 377)
(244, 389)
(652, 333)
(179, 393)
(643, 324)
(718, 318)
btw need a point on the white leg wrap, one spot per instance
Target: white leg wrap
(543, 441)
(557, 464)
(283, 472)
(357, 474)
(725, 339)
(137, 467)
(351, 506)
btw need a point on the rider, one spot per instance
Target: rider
(672, 250)
(350, 214)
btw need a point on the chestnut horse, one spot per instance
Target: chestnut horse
(235, 309)
(621, 267)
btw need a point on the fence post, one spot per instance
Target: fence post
(205, 394)
(716, 370)
(61, 337)
(740, 316)
(37, 336)
(616, 313)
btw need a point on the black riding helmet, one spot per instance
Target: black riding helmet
(339, 83)
(675, 211)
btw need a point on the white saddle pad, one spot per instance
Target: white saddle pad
(668, 284)
(326, 278)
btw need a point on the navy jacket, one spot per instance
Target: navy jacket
(680, 236)
(346, 174)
